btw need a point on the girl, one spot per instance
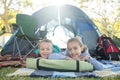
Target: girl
(76, 50)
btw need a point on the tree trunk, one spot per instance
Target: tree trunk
(5, 20)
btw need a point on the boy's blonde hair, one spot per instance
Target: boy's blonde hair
(45, 40)
(79, 41)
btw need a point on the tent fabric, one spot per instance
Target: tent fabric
(46, 14)
(80, 24)
(6, 47)
(70, 17)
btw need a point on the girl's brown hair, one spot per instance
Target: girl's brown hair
(78, 40)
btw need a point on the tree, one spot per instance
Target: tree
(108, 13)
(10, 6)
(105, 14)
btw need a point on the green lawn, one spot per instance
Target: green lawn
(6, 70)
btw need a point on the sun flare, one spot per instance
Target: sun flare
(53, 2)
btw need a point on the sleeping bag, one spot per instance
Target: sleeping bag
(58, 65)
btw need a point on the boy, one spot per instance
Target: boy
(45, 48)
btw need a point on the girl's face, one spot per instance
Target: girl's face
(74, 50)
(46, 49)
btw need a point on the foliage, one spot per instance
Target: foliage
(106, 15)
(112, 29)
(2, 28)
(117, 28)
(7, 70)
(108, 21)
(117, 41)
(9, 10)
(2, 31)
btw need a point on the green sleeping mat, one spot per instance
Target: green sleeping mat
(59, 65)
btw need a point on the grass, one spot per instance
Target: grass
(7, 70)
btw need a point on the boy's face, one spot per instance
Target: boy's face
(74, 50)
(46, 48)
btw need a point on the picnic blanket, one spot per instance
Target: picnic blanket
(110, 72)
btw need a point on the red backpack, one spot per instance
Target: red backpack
(107, 49)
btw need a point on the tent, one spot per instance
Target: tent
(72, 20)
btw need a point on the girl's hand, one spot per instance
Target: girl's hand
(69, 58)
(85, 58)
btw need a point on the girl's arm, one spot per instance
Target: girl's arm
(96, 64)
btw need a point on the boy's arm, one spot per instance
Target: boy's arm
(57, 56)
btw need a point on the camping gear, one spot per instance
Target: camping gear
(22, 42)
(71, 18)
(13, 61)
(44, 22)
(58, 65)
(107, 49)
(8, 47)
(109, 72)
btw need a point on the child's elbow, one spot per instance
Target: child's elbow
(98, 68)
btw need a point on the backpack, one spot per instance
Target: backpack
(106, 49)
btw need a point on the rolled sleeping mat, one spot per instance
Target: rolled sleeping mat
(59, 65)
